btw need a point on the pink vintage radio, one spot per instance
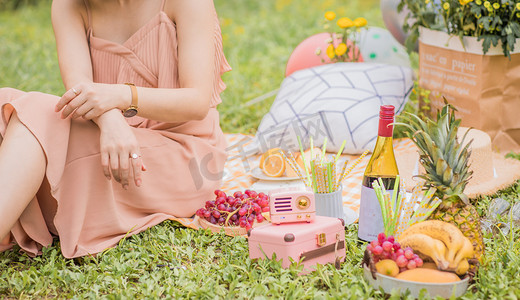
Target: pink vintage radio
(319, 242)
(291, 205)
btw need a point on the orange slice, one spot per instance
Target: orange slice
(273, 165)
(266, 154)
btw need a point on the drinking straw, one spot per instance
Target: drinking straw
(333, 175)
(354, 165)
(313, 172)
(323, 149)
(321, 179)
(303, 159)
(329, 177)
(340, 150)
(294, 165)
(379, 193)
(343, 169)
(312, 148)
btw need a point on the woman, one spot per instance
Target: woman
(81, 166)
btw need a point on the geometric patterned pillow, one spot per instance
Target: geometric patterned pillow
(339, 101)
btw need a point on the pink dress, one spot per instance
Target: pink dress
(184, 160)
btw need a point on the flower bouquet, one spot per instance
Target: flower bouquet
(468, 53)
(492, 22)
(344, 35)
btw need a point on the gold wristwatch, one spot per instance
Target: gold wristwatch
(132, 109)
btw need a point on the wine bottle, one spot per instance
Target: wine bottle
(381, 165)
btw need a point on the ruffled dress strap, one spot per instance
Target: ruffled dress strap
(89, 17)
(162, 5)
(221, 65)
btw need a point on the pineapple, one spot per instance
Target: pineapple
(445, 161)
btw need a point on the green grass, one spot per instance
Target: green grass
(171, 261)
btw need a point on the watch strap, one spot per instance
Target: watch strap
(133, 105)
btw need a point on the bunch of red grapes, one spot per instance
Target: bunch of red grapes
(387, 248)
(241, 209)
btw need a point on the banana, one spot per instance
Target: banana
(448, 233)
(428, 246)
(462, 267)
(466, 252)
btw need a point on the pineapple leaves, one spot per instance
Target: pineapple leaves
(444, 158)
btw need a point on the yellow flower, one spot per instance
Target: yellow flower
(518, 15)
(446, 6)
(426, 1)
(518, 6)
(330, 51)
(464, 2)
(479, 2)
(341, 49)
(330, 15)
(496, 5)
(487, 4)
(239, 30)
(345, 23)
(360, 22)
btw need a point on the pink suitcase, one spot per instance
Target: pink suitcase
(319, 242)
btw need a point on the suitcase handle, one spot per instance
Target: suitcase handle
(322, 251)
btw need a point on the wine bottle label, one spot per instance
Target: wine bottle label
(370, 216)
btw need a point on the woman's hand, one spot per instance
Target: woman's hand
(120, 152)
(91, 100)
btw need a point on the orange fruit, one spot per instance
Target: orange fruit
(273, 165)
(266, 154)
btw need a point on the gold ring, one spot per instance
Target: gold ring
(134, 156)
(74, 91)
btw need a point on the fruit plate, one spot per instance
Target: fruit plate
(259, 174)
(444, 290)
(228, 230)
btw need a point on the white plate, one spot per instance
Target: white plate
(259, 174)
(444, 290)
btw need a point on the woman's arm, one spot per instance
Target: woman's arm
(196, 57)
(195, 24)
(71, 41)
(117, 141)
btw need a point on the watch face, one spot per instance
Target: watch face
(130, 112)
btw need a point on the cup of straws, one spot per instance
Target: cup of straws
(399, 211)
(324, 175)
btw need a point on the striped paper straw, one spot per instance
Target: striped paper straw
(294, 165)
(354, 165)
(320, 179)
(303, 159)
(332, 178)
(343, 169)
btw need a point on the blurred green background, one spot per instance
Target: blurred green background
(258, 38)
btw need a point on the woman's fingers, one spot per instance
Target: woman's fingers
(114, 166)
(124, 169)
(82, 110)
(66, 98)
(137, 167)
(78, 103)
(105, 164)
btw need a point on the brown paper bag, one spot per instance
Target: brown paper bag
(485, 89)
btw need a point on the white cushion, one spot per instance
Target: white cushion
(340, 101)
